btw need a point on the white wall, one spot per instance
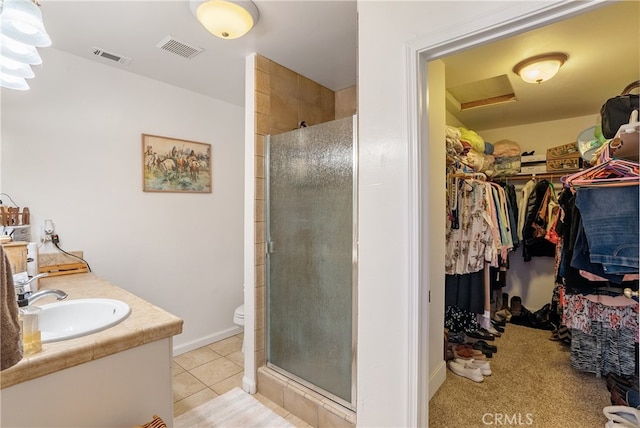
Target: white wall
(388, 31)
(434, 219)
(540, 136)
(71, 152)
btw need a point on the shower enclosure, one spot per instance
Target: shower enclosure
(311, 257)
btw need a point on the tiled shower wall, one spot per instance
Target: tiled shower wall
(283, 100)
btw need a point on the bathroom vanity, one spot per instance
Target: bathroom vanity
(118, 377)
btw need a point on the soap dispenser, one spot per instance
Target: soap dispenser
(29, 316)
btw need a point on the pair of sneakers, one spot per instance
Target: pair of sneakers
(471, 369)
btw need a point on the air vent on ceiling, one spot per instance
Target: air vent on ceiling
(184, 49)
(111, 56)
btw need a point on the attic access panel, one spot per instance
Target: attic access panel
(483, 93)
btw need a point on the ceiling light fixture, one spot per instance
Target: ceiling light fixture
(21, 20)
(19, 51)
(15, 68)
(540, 68)
(21, 33)
(226, 19)
(11, 82)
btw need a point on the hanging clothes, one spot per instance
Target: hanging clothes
(479, 231)
(598, 230)
(527, 189)
(537, 219)
(467, 245)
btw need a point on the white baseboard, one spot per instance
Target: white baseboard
(437, 378)
(206, 340)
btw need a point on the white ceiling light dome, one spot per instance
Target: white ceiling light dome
(540, 68)
(227, 19)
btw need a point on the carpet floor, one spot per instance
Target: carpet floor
(233, 409)
(533, 384)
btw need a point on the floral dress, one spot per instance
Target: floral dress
(468, 245)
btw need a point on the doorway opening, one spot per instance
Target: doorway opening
(427, 194)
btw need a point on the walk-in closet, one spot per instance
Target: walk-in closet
(541, 324)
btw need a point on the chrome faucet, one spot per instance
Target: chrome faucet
(60, 295)
(19, 285)
(25, 299)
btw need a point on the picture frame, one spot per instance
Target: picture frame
(175, 165)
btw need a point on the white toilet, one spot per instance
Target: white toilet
(238, 319)
(238, 316)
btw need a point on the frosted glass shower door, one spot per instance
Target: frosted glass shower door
(311, 257)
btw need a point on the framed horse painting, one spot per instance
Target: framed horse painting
(174, 165)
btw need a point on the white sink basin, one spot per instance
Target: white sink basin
(75, 318)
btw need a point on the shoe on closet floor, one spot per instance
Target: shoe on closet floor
(502, 315)
(612, 424)
(494, 332)
(618, 397)
(633, 398)
(622, 388)
(622, 416)
(562, 333)
(480, 334)
(456, 337)
(516, 306)
(484, 366)
(625, 381)
(473, 373)
(481, 345)
(498, 325)
(466, 352)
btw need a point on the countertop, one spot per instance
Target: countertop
(146, 323)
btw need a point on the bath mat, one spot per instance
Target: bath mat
(233, 409)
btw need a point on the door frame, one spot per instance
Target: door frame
(419, 52)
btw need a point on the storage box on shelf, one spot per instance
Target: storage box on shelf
(533, 164)
(564, 158)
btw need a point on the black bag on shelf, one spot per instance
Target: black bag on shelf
(616, 111)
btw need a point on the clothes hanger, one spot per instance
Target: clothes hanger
(614, 172)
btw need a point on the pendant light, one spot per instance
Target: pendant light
(21, 33)
(540, 68)
(12, 82)
(19, 51)
(21, 20)
(227, 19)
(15, 68)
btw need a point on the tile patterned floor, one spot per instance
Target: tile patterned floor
(205, 373)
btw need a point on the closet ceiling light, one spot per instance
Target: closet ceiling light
(21, 20)
(540, 68)
(226, 19)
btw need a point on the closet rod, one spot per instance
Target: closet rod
(478, 175)
(541, 175)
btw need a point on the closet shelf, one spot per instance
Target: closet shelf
(540, 175)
